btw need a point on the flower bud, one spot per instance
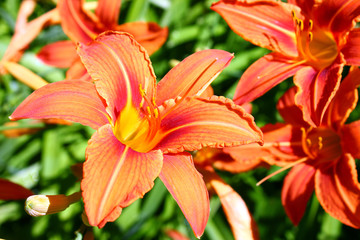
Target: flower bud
(40, 205)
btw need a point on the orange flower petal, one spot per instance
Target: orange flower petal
(196, 123)
(269, 24)
(316, 89)
(187, 187)
(77, 23)
(120, 67)
(242, 224)
(78, 71)
(263, 75)
(345, 100)
(350, 138)
(352, 48)
(13, 191)
(150, 35)
(305, 5)
(59, 54)
(24, 75)
(288, 110)
(282, 145)
(125, 175)
(175, 235)
(73, 100)
(297, 190)
(338, 191)
(192, 75)
(25, 10)
(337, 15)
(108, 12)
(23, 38)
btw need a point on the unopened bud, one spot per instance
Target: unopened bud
(40, 205)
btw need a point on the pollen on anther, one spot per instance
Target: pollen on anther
(156, 113)
(311, 24)
(293, 13)
(301, 24)
(308, 142)
(310, 36)
(320, 143)
(148, 110)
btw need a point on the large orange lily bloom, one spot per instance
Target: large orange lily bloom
(82, 25)
(321, 158)
(311, 39)
(142, 128)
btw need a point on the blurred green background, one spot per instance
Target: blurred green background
(42, 161)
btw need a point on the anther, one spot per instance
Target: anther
(153, 101)
(311, 24)
(320, 143)
(141, 103)
(308, 142)
(148, 110)
(293, 14)
(310, 36)
(301, 24)
(156, 113)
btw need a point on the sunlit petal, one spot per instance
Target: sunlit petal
(125, 175)
(108, 12)
(120, 67)
(59, 54)
(192, 75)
(242, 224)
(274, 18)
(77, 24)
(73, 100)
(263, 75)
(24, 75)
(197, 122)
(150, 35)
(187, 187)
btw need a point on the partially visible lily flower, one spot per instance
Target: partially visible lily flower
(26, 32)
(312, 40)
(82, 25)
(13, 191)
(41, 205)
(322, 158)
(143, 128)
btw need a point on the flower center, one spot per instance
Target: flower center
(136, 127)
(321, 143)
(317, 46)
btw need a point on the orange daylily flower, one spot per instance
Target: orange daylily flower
(311, 40)
(322, 158)
(242, 223)
(82, 25)
(143, 128)
(13, 191)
